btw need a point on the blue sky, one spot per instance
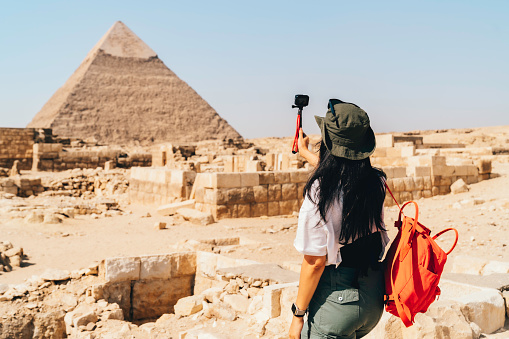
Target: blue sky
(410, 64)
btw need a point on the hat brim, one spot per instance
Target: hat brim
(362, 151)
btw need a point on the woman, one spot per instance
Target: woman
(341, 231)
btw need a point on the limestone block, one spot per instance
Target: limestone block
(484, 166)
(496, 267)
(171, 209)
(408, 151)
(435, 190)
(460, 171)
(288, 297)
(259, 209)
(118, 293)
(153, 298)
(485, 308)
(288, 207)
(442, 170)
(266, 178)
(234, 196)
(418, 171)
(299, 176)
(380, 152)
(281, 177)
(237, 302)
(52, 274)
(419, 183)
(253, 165)
(274, 192)
(468, 264)
(195, 216)
(472, 170)
(409, 184)
(427, 194)
(405, 196)
(389, 171)
(221, 212)
(260, 193)
(221, 195)
(443, 319)
(188, 305)
(273, 208)
(393, 152)
(444, 189)
(156, 267)
(183, 264)
(249, 179)
(247, 194)
(243, 210)
(226, 180)
(206, 263)
(204, 180)
(84, 319)
(122, 269)
(438, 160)
(459, 186)
(399, 184)
(390, 184)
(271, 303)
(472, 179)
(416, 195)
(270, 160)
(427, 185)
(384, 140)
(289, 191)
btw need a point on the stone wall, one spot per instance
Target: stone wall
(158, 186)
(429, 176)
(147, 287)
(16, 144)
(54, 157)
(243, 195)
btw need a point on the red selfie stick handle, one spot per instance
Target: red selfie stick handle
(295, 146)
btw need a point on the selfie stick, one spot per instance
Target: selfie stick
(295, 146)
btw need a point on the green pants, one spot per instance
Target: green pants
(344, 305)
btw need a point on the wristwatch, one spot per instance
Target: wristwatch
(297, 312)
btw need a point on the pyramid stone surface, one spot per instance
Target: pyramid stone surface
(123, 93)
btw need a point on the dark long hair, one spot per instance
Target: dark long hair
(362, 188)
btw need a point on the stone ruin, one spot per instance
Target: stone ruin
(194, 292)
(256, 182)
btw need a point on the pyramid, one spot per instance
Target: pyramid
(122, 93)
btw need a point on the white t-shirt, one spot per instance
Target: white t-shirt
(316, 238)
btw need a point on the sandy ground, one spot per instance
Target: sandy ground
(74, 244)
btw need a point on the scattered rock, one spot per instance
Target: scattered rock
(195, 216)
(160, 225)
(188, 305)
(52, 274)
(459, 186)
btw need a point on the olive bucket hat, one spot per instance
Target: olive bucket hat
(346, 131)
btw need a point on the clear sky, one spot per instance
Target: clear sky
(409, 64)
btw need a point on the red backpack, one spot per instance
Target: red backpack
(413, 266)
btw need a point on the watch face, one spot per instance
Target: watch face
(294, 308)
